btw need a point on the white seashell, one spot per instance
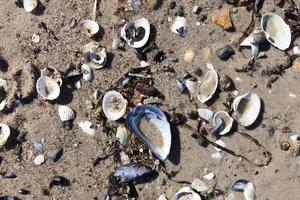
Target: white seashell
(65, 113)
(116, 43)
(205, 114)
(4, 134)
(30, 5)
(89, 27)
(277, 32)
(144, 64)
(133, 28)
(296, 50)
(87, 72)
(210, 176)
(40, 159)
(47, 88)
(208, 86)
(114, 105)
(162, 197)
(191, 85)
(186, 193)
(221, 143)
(227, 120)
(179, 26)
(52, 73)
(295, 138)
(246, 108)
(216, 156)
(122, 135)
(249, 191)
(88, 127)
(98, 60)
(3, 104)
(35, 38)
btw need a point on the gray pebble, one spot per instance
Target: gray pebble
(172, 5)
(155, 55)
(56, 154)
(270, 130)
(225, 52)
(173, 58)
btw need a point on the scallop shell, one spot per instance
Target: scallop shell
(87, 72)
(151, 126)
(179, 26)
(5, 133)
(208, 86)
(249, 191)
(205, 114)
(30, 5)
(88, 127)
(89, 27)
(52, 73)
(277, 32)
(65, 113)
(47, 88)
(226, 119)
(191, 85)
(135, 28)
(246, 108)
(186, 193)
(114, 105)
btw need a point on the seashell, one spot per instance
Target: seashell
(246, 108)
(239, 185)
(162, 197)
(39, 147)
(52, 73)
(35, 38)
(216, 156)
(30, 5)
(253, 41)
(249, 191)
(221, 143)
(191, 85)
(98, 60)
(199, 185)
(114, 105)
(133, 172)
(181, 86)
(179, 26)
(87, 72)
(122, 135)
(9, 175)
(151, 126)
(4, 135)
(47, 88)
(277, 32)
(218, 126)
(296, 50)
(208, 86)
(65, 113)
(40, 159)
(89, 27)
(136, 33)
(210, 176)
(226, 119)
(88, 127)
(186, 193)
(205, 114)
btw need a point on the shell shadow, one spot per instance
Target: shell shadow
(12, 140)
(40, 10)
(3, 64)
(99, 35)
(110, 58)
(66, 95)
(259, 119)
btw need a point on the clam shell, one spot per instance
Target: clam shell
(87, 72)
(89, 27)
(114, 105)
(98, 60)
(122, 135)
(179, 26)
(227, 120)
(186, 193)
(88, 127)
(30, 5)
(249, 191)
(191, 85)
(137, 42)
(47, 88)
(52, 73)
(205, 114)
(151, 126)
(208, 86)
(246, 108)
(277, 32)
(4, 134)
(65, 113)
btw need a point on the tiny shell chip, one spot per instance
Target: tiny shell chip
(114, 105)
(88, 127)
(205, 114)
(30, 5)
(249, 191)
(65, 113)
(48, 88)
(40, 159)
(4, 134)
(87, 72)
(221, 143)
(210, 176)
(35, 38)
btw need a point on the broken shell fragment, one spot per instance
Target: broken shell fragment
(249, 191)
(89, 27)
(205, 114)
(246, 108)
(40, 159)
(179, 26)
(221, 143)
(239, 185)
(122, 135)
(226, 119)
(191, 84)
(47, 88)
(52, 73)
(88, 127)
(208, 86)
(186, 193)
(254, 40)
(4, 134)
(87, 72)
(151, 126)
(136, 33)
(94, 55)
(114, 105)
(30, 5)
(277, 32)
(65, 113)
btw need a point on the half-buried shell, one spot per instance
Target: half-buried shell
(4, 134)
(186, 193)
(151, 126)
(89, 27)
(114, 105)
(30, 5)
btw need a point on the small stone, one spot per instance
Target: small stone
(72, 23)
(225, 52)
(296, 66)
(153, 4)
(56, 154)
(22, 136)
(199, 185)
(17, 150)
(156, 55)
(23, 191)
(178, 11)
(40, 159)
(173, 58)
(216, 156)
(210, 176)
(198, 24)
(222, 18)
(144, 64)
(193, 115)
(221, 143)
(201, 17)
(296, 50)
(234, 10)
(172, 5)
(197, 71)
(116, 43)
(270, 130)
(35, 38)
(196, 9)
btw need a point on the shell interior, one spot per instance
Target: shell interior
(30, 5)
(4, 133)
(226, 119)
(48, 88)
(98, 59)
(114, 105)
(151, 126)
(89, 27)
(186, 193)
(179, 26)
(52, 73)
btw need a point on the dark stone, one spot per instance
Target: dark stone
(225, 52)
(201, 17)
(172, 5)
(197, 71)
(156, 55)
(56, 154)
(173, 58)
(270, 130)
(193, 115)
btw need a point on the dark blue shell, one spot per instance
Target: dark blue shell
(218, 127)
(239, 185)
(133, 172)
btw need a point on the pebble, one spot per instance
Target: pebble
(226, 83)
(173, 58)
(22, 136)
(156, 55)
(172, 5)
(116, 43)
(56, 154)
(221, 143)
(178, 11)
(35, 38)
(199, 185)
(296, 66)
(72, 23)
(222, 18)
(17, 150)
(201, 17)
(197, 71)
(270, 130)
(216, 156)
(225, 52)
(210, 176)
(40, 159)
(296, 50)
(23, 191)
